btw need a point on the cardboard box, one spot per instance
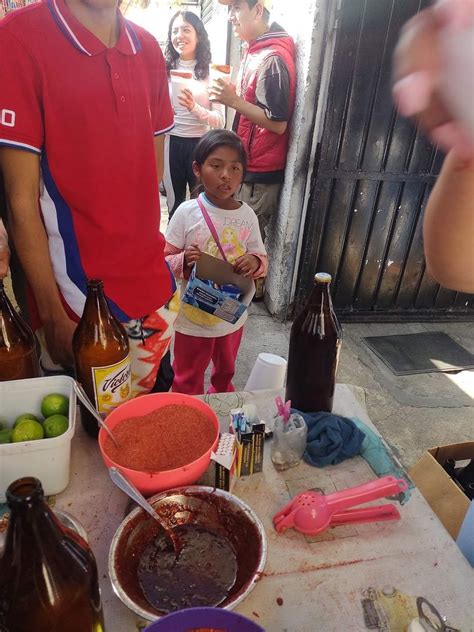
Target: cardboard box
(258, 440)
(442, 494)
(249, 445)
(246, 446)
(226, 462)
(211, 300)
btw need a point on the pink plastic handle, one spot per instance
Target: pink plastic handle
(386, 486)
(280, 406)
(367, 514)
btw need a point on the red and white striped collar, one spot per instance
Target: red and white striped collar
(85, 41)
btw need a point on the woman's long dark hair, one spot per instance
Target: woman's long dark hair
(203, 47)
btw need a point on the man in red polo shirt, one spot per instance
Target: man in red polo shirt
(83, 108)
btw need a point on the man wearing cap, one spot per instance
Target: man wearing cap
(84, 105)
(264, 99)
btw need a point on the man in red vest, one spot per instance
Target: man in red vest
(263, 99)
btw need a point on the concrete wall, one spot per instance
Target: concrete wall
(217, 30)
(312, 27)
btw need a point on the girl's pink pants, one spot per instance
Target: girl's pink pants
(192, 355)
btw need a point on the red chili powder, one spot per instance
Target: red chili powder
(165, 439)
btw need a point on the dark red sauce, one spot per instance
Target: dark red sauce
(231, 525)
(201, 575)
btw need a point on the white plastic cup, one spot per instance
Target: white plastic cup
(178, 83)
(269, 372)
(217, 72)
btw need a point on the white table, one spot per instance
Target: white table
(320, 582)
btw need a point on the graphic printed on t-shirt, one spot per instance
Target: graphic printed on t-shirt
(233, 235)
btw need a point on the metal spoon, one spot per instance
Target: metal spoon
(82, 395)
(128, 488)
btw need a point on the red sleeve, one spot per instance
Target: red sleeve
(161, 111)
(21, 120)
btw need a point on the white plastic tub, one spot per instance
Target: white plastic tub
(46, 459)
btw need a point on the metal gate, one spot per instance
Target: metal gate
(371, 183)
(207, 10)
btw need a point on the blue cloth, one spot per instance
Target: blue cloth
(382, 460)
(331, 439)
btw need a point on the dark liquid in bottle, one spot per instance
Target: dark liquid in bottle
(101, 357)
(48, 574)
(315, 342)
(18, 358)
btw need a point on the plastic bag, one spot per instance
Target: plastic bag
(289, 441)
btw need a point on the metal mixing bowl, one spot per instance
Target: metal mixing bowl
(65, 518)
(212, 508)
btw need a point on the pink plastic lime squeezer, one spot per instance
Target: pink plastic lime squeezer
(312, 512)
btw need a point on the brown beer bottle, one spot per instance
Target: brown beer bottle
(18, 358)
(101, 357)
(315, 342)
(48, 574)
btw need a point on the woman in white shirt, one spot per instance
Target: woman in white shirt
(188, 51)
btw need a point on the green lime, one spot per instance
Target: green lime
(6, 435)
(24, 417)
(28, 430)
(55, 425)
(54, 404)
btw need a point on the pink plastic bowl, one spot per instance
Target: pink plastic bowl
(153, 482)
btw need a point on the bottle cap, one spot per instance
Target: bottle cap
(95, 283)
(322, 277)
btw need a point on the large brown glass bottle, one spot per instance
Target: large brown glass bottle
(48, 574)
(18, 357)
(101, 357)
(315, 342)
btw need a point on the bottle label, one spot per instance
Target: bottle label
(112, 385)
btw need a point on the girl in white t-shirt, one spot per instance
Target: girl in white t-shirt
(188, 52)
(219, 164)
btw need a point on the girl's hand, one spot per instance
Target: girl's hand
(191, 255)
(186, 99)
(247, 265)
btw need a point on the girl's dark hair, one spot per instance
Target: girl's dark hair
(219, 138)
(203, 47)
